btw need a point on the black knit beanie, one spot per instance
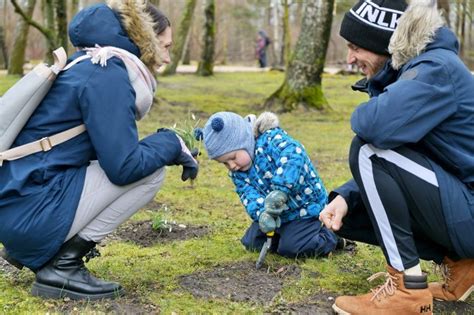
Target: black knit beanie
(371, 23)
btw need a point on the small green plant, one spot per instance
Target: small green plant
(186, 131)
(159, 223)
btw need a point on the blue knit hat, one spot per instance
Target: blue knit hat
(225, 132)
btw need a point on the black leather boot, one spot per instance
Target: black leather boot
(65, 275)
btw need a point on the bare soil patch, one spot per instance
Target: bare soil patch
(142, 233)
(240, 282)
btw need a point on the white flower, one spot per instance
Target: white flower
(260, 150)
(289, 186)
(258, 213)
(269, 158)
(303, 212)
(267, 175)
(283, 160)
(298, 150)
(301, 179)
(298, 197)
(283, 144)
(246, 202)
(306, 169)
(260, 200)
(308, 191)
(260, 181)
(280, 171)
(247, 180)
(318, 186)
(257, 168)
(313, 174)
(277, 137)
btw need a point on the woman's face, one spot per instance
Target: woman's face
(166, 41)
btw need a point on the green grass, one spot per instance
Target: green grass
(150, 274)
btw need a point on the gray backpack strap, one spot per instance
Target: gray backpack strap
(45, 144)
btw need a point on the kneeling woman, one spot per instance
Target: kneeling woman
(56, 205)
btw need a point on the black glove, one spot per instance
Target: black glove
(186, 159)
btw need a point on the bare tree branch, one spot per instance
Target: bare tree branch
(46, 32)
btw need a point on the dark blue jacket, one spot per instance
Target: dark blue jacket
(39, 194)
(429, 106)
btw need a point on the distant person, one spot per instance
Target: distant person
(276, 182)
(56, 205)
(412, 159)
(263, 41)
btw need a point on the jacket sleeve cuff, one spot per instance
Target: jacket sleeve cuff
(351, 194)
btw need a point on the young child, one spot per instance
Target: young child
(276, 181)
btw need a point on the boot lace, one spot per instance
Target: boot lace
(386, 289)
(94, 252)
(444, 271)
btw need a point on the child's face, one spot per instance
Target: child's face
(238, 160)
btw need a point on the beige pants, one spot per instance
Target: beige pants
(104, 206)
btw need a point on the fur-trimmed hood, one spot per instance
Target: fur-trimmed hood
(264, 122)
(121, 23)
(416, 30)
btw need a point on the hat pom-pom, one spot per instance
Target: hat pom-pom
(198, 134)
(217, 124)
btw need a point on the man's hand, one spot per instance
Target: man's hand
(268, 223)
(186, 159)
(275, 203)
(333, 213)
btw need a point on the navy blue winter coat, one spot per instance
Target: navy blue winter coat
(39, 194)
(429, 106)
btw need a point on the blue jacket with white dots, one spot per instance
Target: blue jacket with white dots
(281, 163)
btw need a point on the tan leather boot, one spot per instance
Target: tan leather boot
(400, 294)
(458, 280)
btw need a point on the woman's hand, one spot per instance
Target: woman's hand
(187, 160)
(333, 213)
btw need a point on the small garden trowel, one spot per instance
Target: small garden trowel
(264, 250)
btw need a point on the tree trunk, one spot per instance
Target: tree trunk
(73, 8)
(206, 65)
(183, 31)
(17, 57)
(60, 7)
(187, 49)
(48, 15)
(3, 48)
(286, 47)
(444, 7)
(276, 34)
(462, 37)
(302, 85)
